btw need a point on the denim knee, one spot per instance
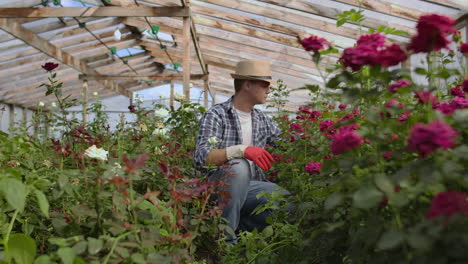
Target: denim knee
(236, 171)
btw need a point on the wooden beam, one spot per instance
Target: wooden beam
(330, 12)
(142, 78)
(85, 102)
(102, 11)
(459, 4)
(385, 8)
(16, 29)
(187, 59)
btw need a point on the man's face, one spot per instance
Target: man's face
(259, 91)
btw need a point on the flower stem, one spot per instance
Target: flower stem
(7, 237)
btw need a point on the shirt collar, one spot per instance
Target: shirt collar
(229, 106)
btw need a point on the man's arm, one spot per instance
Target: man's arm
(216, 157)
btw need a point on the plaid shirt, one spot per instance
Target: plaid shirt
(221, 121)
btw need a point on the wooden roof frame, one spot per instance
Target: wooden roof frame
(15, 29)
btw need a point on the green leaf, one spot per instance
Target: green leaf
(330, 50)
(138, 258)
(333, 200)
(176, 65)
(42, 201)
(113, 50)
(340, 22)
(59, 241)
(163, 232)
(400, 33)
(421, 71)
(268, 231)
(312, 87)
(390, 239)
(44, 259)
(14, 192)
(94, 245)
(80, 247)
(366, 198)
(155, 29)
(384, 184)
(419, 241)
(67, 255)
(22, 248)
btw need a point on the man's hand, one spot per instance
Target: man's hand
(260, 156)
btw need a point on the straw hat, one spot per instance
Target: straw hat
(253, 70)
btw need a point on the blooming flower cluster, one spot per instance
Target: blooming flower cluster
(432, 33)
(313, 167)
(370, 50)
(313, 43)
(426, 139)
(161, 113)
(345, 139)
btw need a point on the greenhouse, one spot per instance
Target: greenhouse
(234, 131)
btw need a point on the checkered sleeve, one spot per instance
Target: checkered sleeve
(210, 125)
(274, 131)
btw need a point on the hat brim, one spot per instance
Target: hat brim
(245, 77)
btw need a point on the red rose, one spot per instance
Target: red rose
(432, 33)
(391, 55)
(447, 204)
(313, 43)
(464, 47)
(49, 66)
(374, 40)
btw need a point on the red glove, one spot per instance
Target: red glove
(260, 156)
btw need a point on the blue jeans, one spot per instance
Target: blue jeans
(238, 212)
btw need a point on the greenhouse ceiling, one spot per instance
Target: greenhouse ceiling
(225, 31)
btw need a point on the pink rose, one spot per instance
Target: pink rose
(345, 140)
(457, 91)
(426, 139)
(425, 97)
(459, 102)
(326, 124)
(399, 84)
(313, 167)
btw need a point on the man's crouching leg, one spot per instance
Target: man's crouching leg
(236, 176)
(250, 220)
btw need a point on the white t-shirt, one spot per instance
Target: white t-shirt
(245, 119)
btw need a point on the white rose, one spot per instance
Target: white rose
(161, 132)
(96, 153)
(161, 112)
(96, 94)
(179, 97)
(41, 104)
(53, 104)
(213, 141)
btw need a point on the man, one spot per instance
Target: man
(241, 133)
